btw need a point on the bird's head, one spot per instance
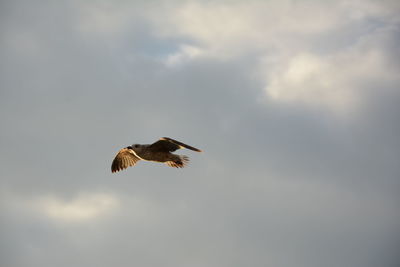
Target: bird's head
(136, 147)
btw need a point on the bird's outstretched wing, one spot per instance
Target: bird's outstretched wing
(169, 145)
(125, 158)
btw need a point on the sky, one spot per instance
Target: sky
(295, 104)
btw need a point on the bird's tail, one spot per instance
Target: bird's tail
(179, 161)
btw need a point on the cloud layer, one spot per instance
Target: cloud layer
(295, 104)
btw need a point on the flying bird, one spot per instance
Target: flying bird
(160, 151)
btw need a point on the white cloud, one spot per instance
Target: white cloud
(185, 54)
(232, 29)
(314, 80)
(291, 37)
(337, 81)
(81, 208)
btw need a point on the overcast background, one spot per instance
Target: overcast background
(295, 104)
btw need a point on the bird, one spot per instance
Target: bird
(159, 151)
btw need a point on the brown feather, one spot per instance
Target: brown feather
(125, 158)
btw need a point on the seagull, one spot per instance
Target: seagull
(159, 151)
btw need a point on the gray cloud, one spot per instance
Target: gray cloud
(282, 183)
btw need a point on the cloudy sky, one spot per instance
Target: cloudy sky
(295, 103)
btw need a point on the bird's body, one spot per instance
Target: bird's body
(145, 152)
(159, 151)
